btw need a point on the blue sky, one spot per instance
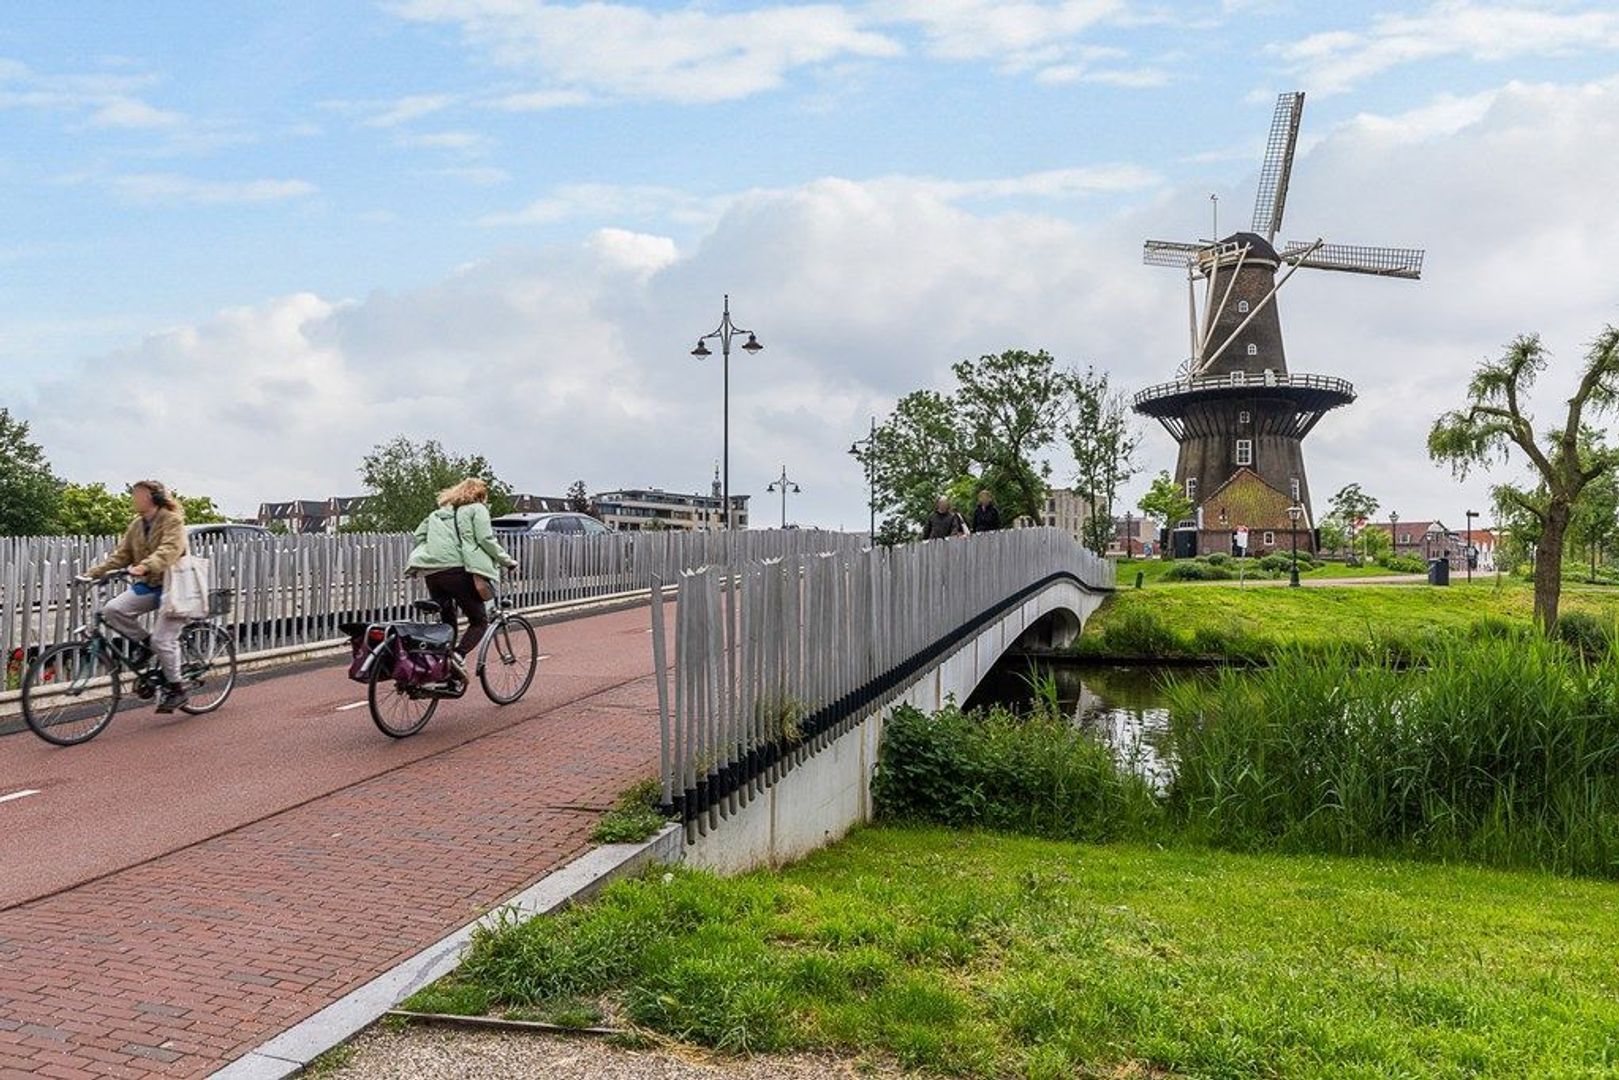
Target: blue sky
(419, 171)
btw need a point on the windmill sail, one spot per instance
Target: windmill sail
(1171, 253)
(1356, 259)
(1278, 167)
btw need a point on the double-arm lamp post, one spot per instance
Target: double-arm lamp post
(724, 332)
(784, 485)
(870, 444)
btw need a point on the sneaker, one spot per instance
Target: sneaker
(173, 697)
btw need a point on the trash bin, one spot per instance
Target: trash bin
(1438, 571)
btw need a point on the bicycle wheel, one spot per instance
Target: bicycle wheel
(394, 710)
(507, 658)
(207, 666)
(70, 692)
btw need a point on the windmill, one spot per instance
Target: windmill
(1234, 405)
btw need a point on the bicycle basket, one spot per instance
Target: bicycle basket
(220, 600)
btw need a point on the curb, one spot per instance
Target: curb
(289, 1052)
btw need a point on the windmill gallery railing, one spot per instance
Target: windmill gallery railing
(296, 590)
(775, 658)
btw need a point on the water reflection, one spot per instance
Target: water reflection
(1123, 707)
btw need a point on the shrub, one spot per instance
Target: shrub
(1401, 564)
(1038, 775)
(1192, 570)
(1219, 558)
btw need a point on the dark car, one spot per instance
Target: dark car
(565, 524)
(225, 532)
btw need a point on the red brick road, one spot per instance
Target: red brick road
(181, 891)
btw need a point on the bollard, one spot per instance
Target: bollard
(1140, 577)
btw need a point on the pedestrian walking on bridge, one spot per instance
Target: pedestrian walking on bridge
(944, 522)
(986, 515)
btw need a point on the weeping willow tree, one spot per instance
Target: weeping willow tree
(1495, 422)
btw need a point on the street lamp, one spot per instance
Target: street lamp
(1394, 536)
(785, 485)
(1296, 513)
(724, 332)
(1468, 554)
(870, 443)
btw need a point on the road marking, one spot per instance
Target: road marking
(352, 705)
(19, 794)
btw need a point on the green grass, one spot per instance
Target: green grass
(1153, 571)
(635, 817)
(987, 955)
(1406, 621)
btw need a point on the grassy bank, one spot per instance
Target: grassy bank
(972, 954)
(1398, 621)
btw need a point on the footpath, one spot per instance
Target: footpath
(184, 960)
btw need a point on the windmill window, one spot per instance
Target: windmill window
(1245, 417)
(1270, 539)
(1242, 307)
(1293, 487)
(1245, 451)
(1253, 350)
(1191, 487)
(1236, 378)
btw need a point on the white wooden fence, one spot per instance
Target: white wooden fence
(774, 657)
(292, 590)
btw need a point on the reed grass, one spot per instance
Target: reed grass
(1501, 751)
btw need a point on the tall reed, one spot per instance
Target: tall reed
(1504, 752)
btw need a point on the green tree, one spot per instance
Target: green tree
(29, 491)
(1351, 505)
(199, 509)
(1495, 421)
(1592, 526)
(92, 510)
(914, 457)
(1334, 534)
(1165, 501)
(1010, 405)
(1103, 443)
(403, 480)
(579, 499)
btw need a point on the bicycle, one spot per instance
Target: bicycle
(406, 667)
(70, 691)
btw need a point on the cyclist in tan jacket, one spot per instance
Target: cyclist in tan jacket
(154, 541)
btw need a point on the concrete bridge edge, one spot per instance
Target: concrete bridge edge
(819, 801)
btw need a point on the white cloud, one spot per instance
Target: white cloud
(134, 113)
(172, 187)
(1334, 61)
(540, 100)
(406, 109)
(477, 175)
(465, 141)
(1018, 33)
(689, 55)
(572, 360)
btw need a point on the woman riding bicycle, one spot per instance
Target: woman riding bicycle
(457, 552)
(154, 541)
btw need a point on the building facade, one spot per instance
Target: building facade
(640, 509)
(1067, 510)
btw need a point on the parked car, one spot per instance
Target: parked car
(225, 532)
(564, 524)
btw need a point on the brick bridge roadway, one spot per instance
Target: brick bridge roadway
(181, 889)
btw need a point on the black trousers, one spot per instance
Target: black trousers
(455, 590)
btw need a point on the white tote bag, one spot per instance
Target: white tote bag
(185, 588)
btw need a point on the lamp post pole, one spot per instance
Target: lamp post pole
(1295, 513)
(784, 484)
(1394, 535)
(724, 332)
(870, 443)
(1468, 554)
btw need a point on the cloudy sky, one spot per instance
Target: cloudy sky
(241, 244)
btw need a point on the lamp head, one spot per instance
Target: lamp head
(752, 344)
(702, 352)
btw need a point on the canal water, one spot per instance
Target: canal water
(1122, 706)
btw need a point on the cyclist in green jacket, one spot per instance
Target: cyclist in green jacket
(460, 559)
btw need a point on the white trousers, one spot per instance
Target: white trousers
(123, 615)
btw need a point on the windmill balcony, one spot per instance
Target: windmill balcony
(1316, 393)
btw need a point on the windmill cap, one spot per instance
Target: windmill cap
(1260, 247)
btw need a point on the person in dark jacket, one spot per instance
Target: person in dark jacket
(944, 522)
(986, 515)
